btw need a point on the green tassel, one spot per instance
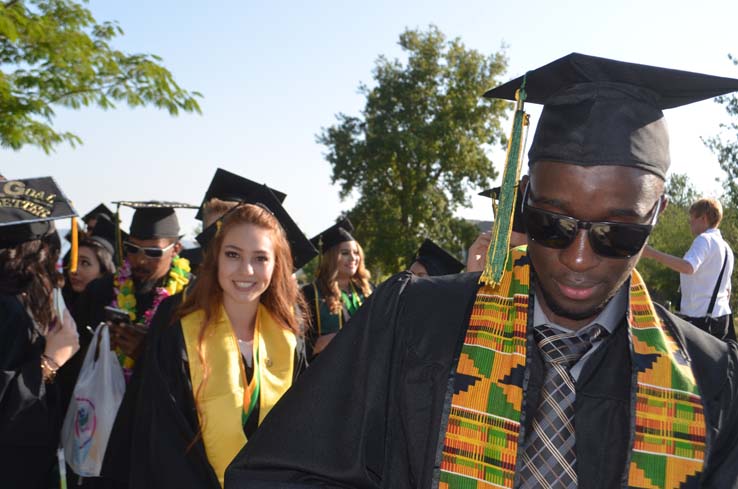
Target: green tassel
(502, 228)
(118, 237)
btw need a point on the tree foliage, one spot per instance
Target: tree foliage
(417, 147)
(54, 53)
(726, 147)
(671, 235)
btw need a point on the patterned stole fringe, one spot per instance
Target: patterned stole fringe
(482, 438)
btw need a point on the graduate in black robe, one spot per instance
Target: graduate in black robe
(382, 423)
(34, 338)
(157, 439)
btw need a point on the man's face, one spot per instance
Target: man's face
(146, 269)
(575, 283)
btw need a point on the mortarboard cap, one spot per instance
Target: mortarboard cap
(234, 188)
(301, 248)
(334, 235)
(193, 255)
(28, 208)
(100, 209)
(598, 111)
(436, 260)
(518, 224)
(105, 231)
(154, 219)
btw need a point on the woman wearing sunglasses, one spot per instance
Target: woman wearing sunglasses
(217, 363)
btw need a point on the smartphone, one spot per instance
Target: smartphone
(117, 316)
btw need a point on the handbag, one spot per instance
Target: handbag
(93, 407)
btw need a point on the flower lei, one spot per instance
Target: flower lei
(179, 277)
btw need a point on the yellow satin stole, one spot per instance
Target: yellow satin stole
(221, 400)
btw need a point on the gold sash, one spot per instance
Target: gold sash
(221, 401)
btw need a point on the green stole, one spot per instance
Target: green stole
(483, 435)
(223, 399)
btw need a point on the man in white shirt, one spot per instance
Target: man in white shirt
(700, 270)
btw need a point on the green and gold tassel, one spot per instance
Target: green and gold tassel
(498, 249)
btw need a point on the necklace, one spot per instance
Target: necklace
(124, 289)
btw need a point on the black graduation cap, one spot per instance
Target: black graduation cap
(598, 111)
(105, 232)
(234, 188)
(101, 209)
(28, 208)
(194, 256)
(154, 219)
(518, 222)
(334, 235)
(302, 250)
(436, 260)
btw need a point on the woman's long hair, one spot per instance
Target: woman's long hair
(282, 298)
(29, 271)
(327, 278)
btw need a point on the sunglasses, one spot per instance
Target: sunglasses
(608, 239)
(150, 252)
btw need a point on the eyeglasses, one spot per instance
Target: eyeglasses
(608, 239)
(150, 252)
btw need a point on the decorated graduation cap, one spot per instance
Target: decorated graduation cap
(28, 208)
(334, 235)
(436, 260)
(302, 250)
(596, 111)
(518, 224)
(230, 187)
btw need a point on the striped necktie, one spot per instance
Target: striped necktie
(549, 458)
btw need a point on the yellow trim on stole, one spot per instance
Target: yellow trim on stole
(220, 403)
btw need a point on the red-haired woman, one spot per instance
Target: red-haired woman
(341, 284)
(217, 363)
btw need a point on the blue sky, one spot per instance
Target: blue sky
(273, 73)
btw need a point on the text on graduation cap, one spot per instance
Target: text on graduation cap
(16, 194)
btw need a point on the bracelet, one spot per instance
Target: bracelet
(47, 371)
(55, 366)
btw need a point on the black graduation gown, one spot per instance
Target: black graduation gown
(369, 412)
(30, 412)
(154, 443)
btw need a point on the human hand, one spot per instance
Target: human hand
(128, 338)
(62, 342)
(477, 255)
(322, 342)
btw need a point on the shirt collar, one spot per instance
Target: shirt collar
(610, 317)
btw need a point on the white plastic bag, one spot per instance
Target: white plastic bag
(95, 401)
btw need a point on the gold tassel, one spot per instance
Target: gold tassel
(74, 254)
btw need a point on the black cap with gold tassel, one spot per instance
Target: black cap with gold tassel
(28, 208)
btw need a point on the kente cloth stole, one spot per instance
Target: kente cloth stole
(480, 447)
(221, 401)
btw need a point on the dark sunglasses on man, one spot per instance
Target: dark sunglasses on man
(150, 252)
(608, 239)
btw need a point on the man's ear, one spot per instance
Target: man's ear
(177, 247)
(664, 204)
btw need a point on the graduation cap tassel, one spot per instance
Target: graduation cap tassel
(74, 254)
(497, 253)
(118, 238)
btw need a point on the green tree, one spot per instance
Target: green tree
(54, 53)
(417, 147)
(726, 147)
(671, 235)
